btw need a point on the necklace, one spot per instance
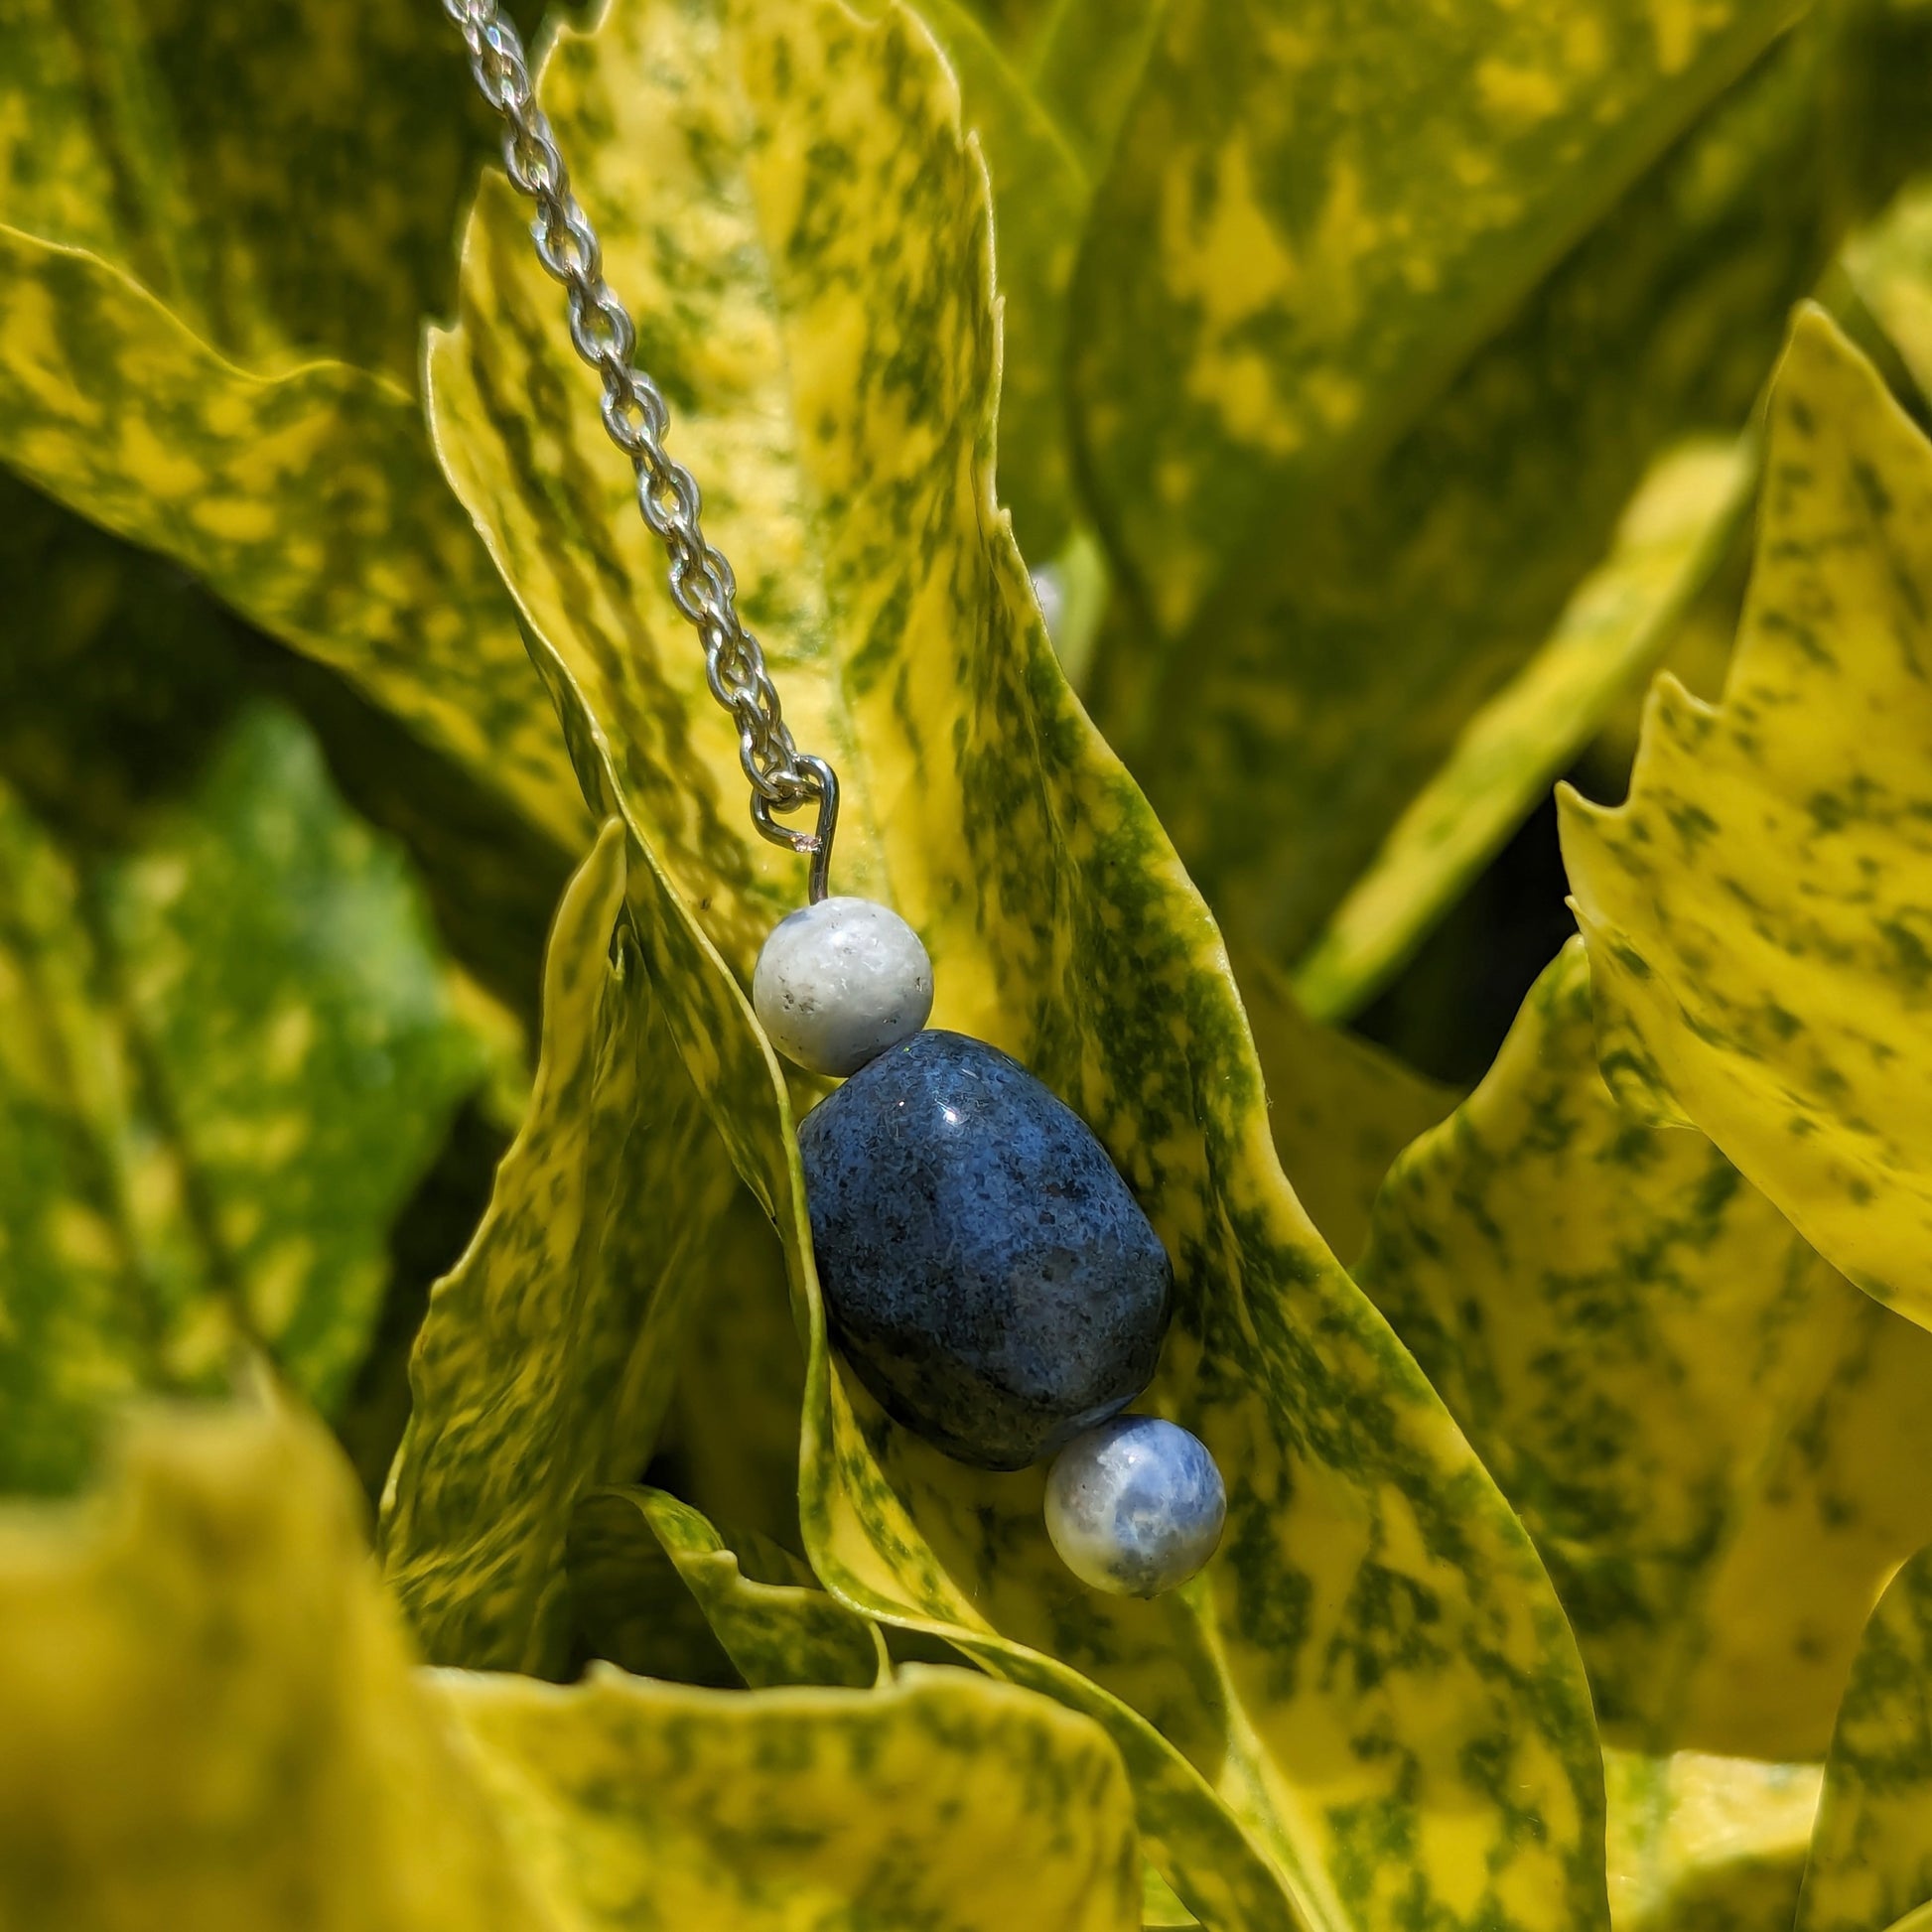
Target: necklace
(986, 1274)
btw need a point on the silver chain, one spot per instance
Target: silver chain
(784, 778)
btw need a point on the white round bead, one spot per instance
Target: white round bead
(838, 982)
(1134, 1506)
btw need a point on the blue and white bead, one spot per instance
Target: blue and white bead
(1134, 1506)
(839, 983)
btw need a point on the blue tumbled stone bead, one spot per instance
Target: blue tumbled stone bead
(986, 1272)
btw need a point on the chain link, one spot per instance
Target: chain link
(782, 778)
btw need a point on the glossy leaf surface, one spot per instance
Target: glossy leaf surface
(1716, 1441)
(941, 1801)
(108, 1284)
(1872, 1856)
(1293, 715)
(1702, 1843)
(1620, 620)
(211, 1718)
(212, 288)
(302, 1030)
(765, 1609)
(1307, 229)
(1753, 912)
(542, 1367)
(231, 1049)
(839, 404)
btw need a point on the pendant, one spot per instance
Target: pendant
(987, 1273)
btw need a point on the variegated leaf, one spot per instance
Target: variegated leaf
(1307, 229)
(1404, 555)
(1622, 618)
(1872, 1853)
(1040, 191)
(1721, 1448)
(838, 400)
(1761, 952)
(211, 1715)
(212, 280)
(942, 1801)
(299, 1027)
(542, 1368)
(1340, 1109)
(231, 1048)
(283, 178)
(634, 1551)
(108, 1286)
(1702, 1843)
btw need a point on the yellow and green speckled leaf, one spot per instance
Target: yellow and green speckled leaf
(1674, 537)
(1719, 1446)
(306, 499)
(1369, 1707)
(1296, 714)
(1340, 1109)
(108, 1285)
(942, 1801)
(212, 1719)
(1753, 912)
(1041, 192)
(232, 1047)
(1702, 1843)
(284, 178)
(542, 1368)
(1872, 1853)
(213, 275)
(1307, 229)
(632, 1550)
(302, 1032)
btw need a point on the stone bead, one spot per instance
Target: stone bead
(986, 1274)
(838, 982)
(1134, 1506)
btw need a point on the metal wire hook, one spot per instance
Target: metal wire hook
(817, 843)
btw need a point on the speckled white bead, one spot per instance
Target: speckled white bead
(838, 982)
(1134, 1506)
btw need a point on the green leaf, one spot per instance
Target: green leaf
(1041, 192)
(1674, 537)
(541, 1370)
(1340, 1109)
(284, 981)
(210, 303)
(1758, 943)
(1700, 1844)
(211, 1713)
(1372, 1704)
(213, 1720)
(1087, 63)
(1421, 538)
(1309, 230)
(107, 1287)
(1872, 1853)
(634, 1551)
(1890, 264)
(281, 203)
(942, 1800)
(233, 1050)
(1721, 1448)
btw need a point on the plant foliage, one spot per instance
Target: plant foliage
(1374, 404)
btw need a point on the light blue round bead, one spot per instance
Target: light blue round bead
(1134, 1506)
